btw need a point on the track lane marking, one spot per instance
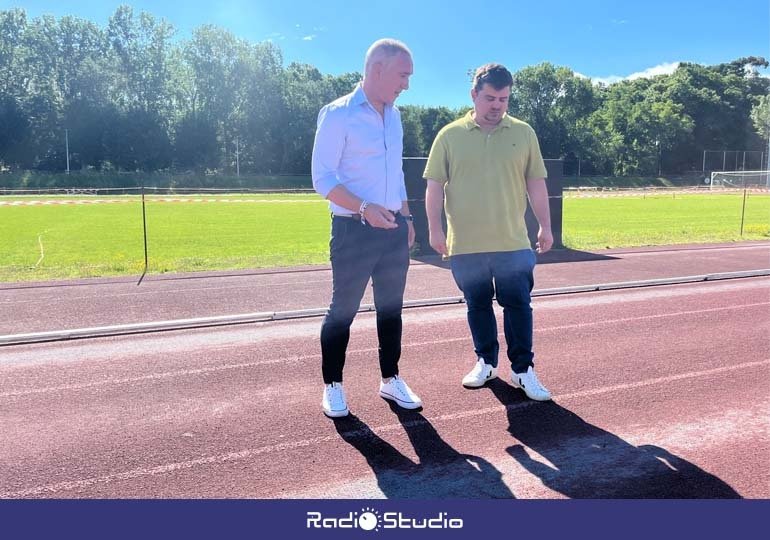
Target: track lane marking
(140, 472)
(302, 358)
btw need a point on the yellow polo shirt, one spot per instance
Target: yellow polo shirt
(485, 183)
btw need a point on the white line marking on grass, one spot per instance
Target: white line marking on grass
(42, 251)
(140, 472)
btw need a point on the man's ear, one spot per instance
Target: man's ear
(377, 69)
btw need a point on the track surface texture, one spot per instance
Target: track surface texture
(659, 391)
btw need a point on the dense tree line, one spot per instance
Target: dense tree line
(132, 99)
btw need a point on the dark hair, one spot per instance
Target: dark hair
(495, 75)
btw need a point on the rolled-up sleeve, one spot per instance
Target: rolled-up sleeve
(327, 149)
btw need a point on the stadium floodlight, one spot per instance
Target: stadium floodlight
(740, 179)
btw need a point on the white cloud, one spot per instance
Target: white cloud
(612, 79)
(311, 37)
(666, 68)
(662, 69)
(621, 21)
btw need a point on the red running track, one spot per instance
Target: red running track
(659, 392)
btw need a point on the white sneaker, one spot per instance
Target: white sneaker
(531, 386)
(479, 375)
(333, 402)
(397, 390)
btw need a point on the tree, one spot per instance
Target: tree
(142, 48)
(410, 121)
(635, 122)
(306, 90)
(760, 116)
(552, 100)
(14, 128)
(432, 119)
(261, 108)
(13, 25)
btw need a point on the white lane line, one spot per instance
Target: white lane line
(301, 358)
(52, 489)
(254, 335)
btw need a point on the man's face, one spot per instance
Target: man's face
(490, 104)
(394, 76)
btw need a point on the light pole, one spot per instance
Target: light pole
(657, 146)
(237, 158)
(67, 147)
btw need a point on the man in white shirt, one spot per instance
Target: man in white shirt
(357, 166)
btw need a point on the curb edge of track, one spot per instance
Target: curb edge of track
(273, 316)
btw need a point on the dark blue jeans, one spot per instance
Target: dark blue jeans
(509, 276)
(360, 252)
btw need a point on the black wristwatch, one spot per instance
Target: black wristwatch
(409, 218)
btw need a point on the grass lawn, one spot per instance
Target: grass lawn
(596, 223)
(217, 232)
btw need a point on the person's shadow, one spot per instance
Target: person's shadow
(585, 461)
(441, 472)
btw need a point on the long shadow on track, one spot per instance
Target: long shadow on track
(584, 461)
(590, 462)
(441, 471)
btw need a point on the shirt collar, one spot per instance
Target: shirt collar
(505, 122)
(359, 97)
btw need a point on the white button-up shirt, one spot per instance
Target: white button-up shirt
(361, 150)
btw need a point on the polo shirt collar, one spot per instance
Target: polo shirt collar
(505, 122)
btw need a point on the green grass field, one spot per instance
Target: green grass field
(661, 219)
(218, 232)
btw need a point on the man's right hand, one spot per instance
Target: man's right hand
(437, 241)
(379, 217)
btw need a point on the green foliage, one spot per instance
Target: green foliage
(134, 99)
(760, 116)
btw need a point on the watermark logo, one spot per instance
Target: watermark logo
(370, 519)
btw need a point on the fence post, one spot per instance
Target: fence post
(144, 228)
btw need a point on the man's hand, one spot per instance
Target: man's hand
(437, 240)
(544, 240)
(379, 217)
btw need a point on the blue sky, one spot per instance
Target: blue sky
(602, 39)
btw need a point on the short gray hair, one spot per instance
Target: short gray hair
(384, 49)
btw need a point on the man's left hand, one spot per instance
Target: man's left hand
(544, 240)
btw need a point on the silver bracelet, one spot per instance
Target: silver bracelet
(361, 211)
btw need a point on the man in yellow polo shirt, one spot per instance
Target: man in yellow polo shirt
(481, 170)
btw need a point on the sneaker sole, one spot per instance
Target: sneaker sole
(477, 385)
(402, 404)
(515, 385)
(336, 414)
